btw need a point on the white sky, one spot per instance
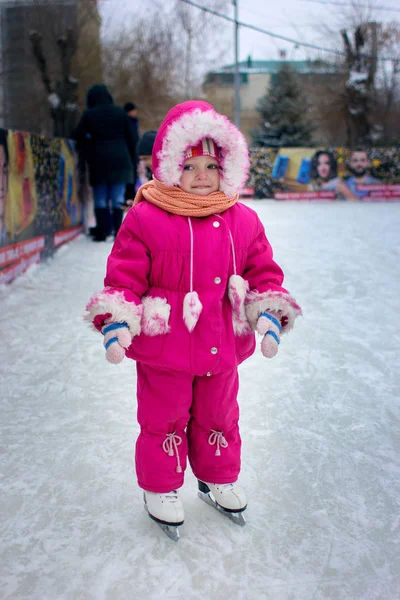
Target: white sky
(301, 20)
(320, 425)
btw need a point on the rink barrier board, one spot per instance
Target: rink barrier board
(298, 174)
(17, 258)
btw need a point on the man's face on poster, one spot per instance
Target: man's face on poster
(359, 163)
(3, 181)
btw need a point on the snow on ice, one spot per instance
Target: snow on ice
(320, 426)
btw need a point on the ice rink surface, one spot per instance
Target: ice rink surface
(320, 425)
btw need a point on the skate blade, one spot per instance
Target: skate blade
(237, 518)
(172, 531)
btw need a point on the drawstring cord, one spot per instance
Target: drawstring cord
(232, 244)
(233, 252)
(191, 249)
(172, 441)
(237, 289)
(217, 437)
(170, 446)
(191, 253)
(192, 306)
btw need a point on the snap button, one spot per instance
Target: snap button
(217, 280)
(214, 350)
(216, 224)
(208, 374)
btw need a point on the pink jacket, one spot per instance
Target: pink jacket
(149, 272)
(191, 289)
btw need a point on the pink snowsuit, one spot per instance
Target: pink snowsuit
(187, 379)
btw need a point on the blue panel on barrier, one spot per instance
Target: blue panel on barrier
(303, 175)
(280, 167)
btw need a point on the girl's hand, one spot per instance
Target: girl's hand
(117, 337)
(269, 326)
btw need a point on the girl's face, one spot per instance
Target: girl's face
(200, 175)
(323, 166)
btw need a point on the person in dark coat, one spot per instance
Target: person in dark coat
(131, 111)
(145, 164)
(105, 138)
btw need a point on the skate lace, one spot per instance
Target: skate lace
(217, 437)
(171, 496)
(170, 447)
(225, 486)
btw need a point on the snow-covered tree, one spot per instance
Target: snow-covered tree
(387, 82)
(50, 55)
(284, 113)
(361, 61)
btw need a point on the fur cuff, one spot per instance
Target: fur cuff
(155, 320)
(274, 302)
(115, 306)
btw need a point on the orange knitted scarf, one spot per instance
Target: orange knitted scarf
(178, 202)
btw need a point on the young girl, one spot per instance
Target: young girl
(189, 280)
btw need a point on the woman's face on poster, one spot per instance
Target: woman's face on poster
(324, 166)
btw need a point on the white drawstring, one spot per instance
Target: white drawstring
(217, 437)
(237, 291)
(192, 306)
(191, 253)
(232, 244)
(170, 445)
(233, 252)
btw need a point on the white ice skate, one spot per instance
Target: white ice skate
(166, 510)
(227, 498)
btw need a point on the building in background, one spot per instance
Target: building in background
(24, 102)
(257, 77)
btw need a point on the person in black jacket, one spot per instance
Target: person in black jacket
(105, 139)
(131, 111)
(144, 151)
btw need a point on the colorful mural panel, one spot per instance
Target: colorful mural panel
(39, 205)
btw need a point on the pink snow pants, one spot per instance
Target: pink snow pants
(182, 416)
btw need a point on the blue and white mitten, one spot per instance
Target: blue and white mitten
(117, 337)
(269, 326)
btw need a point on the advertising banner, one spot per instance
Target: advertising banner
(39, 206)
(329, 174)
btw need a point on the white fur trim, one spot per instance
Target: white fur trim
(188, 130)
(276, 302)
(192, 308)
(237, 290)
(155, 319)
(121, 311)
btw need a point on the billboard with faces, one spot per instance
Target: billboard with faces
(354, 174)
(39, 207)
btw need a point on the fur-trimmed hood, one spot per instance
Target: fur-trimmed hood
(185, 125)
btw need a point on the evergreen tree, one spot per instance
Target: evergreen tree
(284, 113)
